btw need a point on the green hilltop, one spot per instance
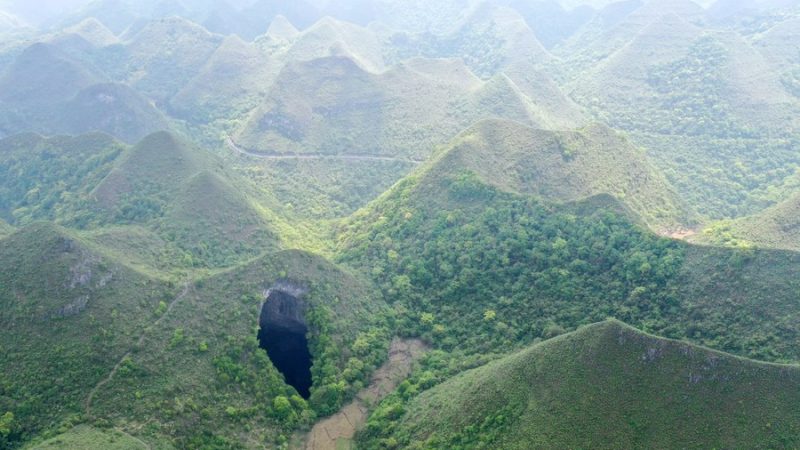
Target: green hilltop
(83, 437)
(111, 108)
(564, 166)
(603, 386)
(166, 54)
(713, 107)
(185, 196)
(69, 314)
(164, 191)
(455, 247)
(775, 227)
(235, 77)
(493, 180)
(228, 394)
(332, 106)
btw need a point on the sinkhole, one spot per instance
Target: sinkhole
(282, 334)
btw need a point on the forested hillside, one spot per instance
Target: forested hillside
(318, 224)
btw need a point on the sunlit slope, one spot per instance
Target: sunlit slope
(608, 386)
(183, 193)
(564, 166)
(775, 227)
(84, 437)
(468, 234)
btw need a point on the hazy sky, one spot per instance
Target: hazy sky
(38, 11)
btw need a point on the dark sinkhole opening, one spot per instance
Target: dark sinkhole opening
(283, 336)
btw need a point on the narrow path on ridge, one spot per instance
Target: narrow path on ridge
(139, 342)
(338, 430)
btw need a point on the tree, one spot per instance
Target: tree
(6, 427)
(282, 407)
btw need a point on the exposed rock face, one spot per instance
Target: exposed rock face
(72, 309)
(283, 310)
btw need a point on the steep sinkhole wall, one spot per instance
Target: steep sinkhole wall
(283, 335)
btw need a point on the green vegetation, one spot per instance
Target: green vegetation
(232, 393)
(334, 106)
(445, 247)
(5, 229)
(83, 437)
(68, 315)
(564, 167)
(51, 179)
(400, 169)
(604, 386)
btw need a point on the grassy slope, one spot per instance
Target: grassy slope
(163, 182)
(700, 105)
(84, 437)
(93, 31)
(43, 74)
(611, 386)
(741, 301)
(35, 83)
(778, 42)
(488, 37)
(331, 37)
(564, 167)
(140, 248)
(58, 86)
(775, 227)
(68, 316)
(230, 83)
(112, 108)
(331, 105)
(166, 55)
(318, 190)
(200, 373)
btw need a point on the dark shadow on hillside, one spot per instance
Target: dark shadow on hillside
(283, 336)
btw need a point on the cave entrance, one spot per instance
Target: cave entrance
(282, 334)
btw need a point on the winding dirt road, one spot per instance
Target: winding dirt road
(301, 156)
(336, 432)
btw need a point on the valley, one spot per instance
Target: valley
(396, 224)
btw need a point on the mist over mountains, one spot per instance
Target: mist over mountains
(488, 224)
